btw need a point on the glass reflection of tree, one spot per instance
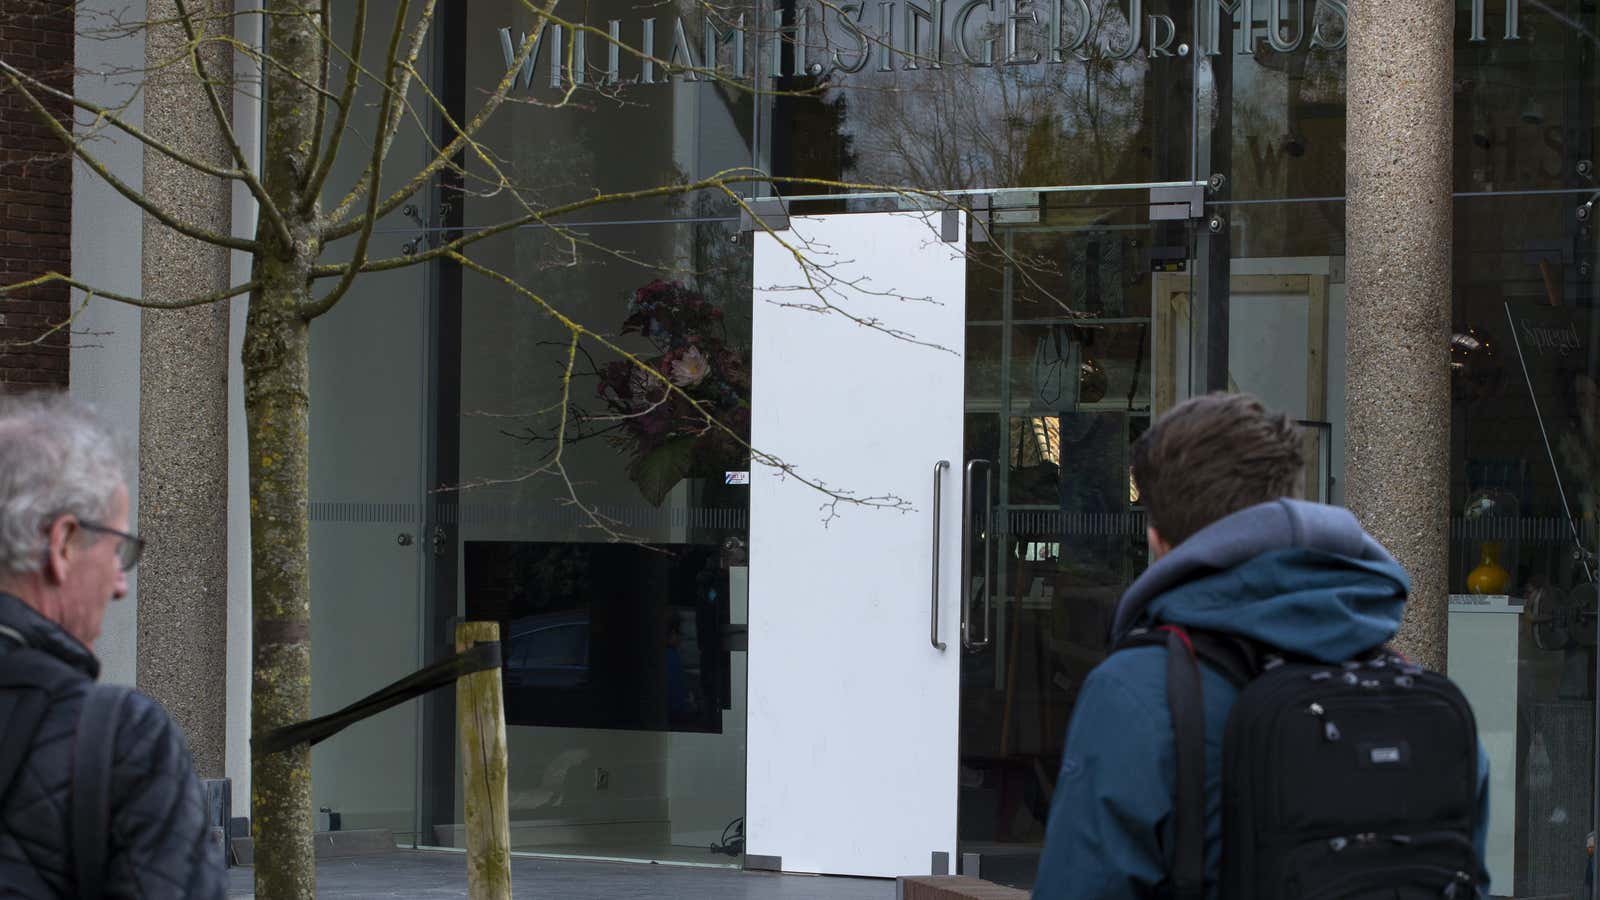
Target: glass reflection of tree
(1287, 125)
(963, 126)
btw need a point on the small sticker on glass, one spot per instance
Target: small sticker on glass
(736, 478)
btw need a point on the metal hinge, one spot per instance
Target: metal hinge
(765, 214)
(1177, 203)
(950, 224)
(982, 206)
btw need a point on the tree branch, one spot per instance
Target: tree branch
(319, 174)
(140, 200)
(389, 129)
(374, 169)
(326, 27)
(718, 182)
(141, 302)
(53, 329)
(225, 123)
(501, 91)
(106, 114)
(756, 456)
(553, 460)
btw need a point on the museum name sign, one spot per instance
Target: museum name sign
(842, 39)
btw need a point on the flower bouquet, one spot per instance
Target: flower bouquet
(672, 434)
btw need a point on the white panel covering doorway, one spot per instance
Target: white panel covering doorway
(853, 722)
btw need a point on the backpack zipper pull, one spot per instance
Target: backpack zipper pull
(1453, 889)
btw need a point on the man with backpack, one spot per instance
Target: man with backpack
(1250, 736)
(98, 797)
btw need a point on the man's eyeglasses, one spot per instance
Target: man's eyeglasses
(129, 546)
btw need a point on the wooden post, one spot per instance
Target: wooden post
(481, 722)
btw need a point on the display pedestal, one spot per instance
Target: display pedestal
(1559, 774)
(1483, 663)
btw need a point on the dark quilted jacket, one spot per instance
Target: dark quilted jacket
(158, 846)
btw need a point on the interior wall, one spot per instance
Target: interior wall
(1265, 359)
(368, 365)
(366, 451)
(107, 244)
(246, 126)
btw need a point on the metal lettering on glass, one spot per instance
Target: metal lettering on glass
(835, 40)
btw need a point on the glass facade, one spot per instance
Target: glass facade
(1157, 191)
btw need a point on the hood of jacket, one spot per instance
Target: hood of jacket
(1300, 576)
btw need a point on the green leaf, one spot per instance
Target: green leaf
(658, 472)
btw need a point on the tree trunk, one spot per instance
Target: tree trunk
(277, 385)
(277, 412)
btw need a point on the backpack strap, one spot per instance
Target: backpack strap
(1185, 704)
(1236, 658)
(91, 785)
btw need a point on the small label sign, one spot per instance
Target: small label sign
(736, 478)
(1383, 755)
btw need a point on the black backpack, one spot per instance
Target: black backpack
(28, 679)
(1352, 781)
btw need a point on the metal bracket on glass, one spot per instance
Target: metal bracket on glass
(1586, 211)
(950, 225)
(981, 219)
(1169, 204)
(764, 214)
(429, 235)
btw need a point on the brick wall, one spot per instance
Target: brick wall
(35, 196)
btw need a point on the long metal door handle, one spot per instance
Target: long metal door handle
(988, 553)
(966, 554)
(938, 520)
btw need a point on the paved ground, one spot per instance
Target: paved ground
(430, 875)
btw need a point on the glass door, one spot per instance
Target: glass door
(854, 649)
(1078, 331)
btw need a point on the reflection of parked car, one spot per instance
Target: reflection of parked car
(550, 651)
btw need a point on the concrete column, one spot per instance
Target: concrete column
(183, 396)
(1398, 224)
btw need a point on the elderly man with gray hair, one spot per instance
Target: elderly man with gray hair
(98, 796)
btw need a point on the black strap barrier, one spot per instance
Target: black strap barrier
(481, 657)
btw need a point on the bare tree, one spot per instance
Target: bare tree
(318, 86)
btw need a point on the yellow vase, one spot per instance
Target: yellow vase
(1489, 577)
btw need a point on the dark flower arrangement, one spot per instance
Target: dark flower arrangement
(667, 438)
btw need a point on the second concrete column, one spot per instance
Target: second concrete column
(183, 392)
(1398, 223)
